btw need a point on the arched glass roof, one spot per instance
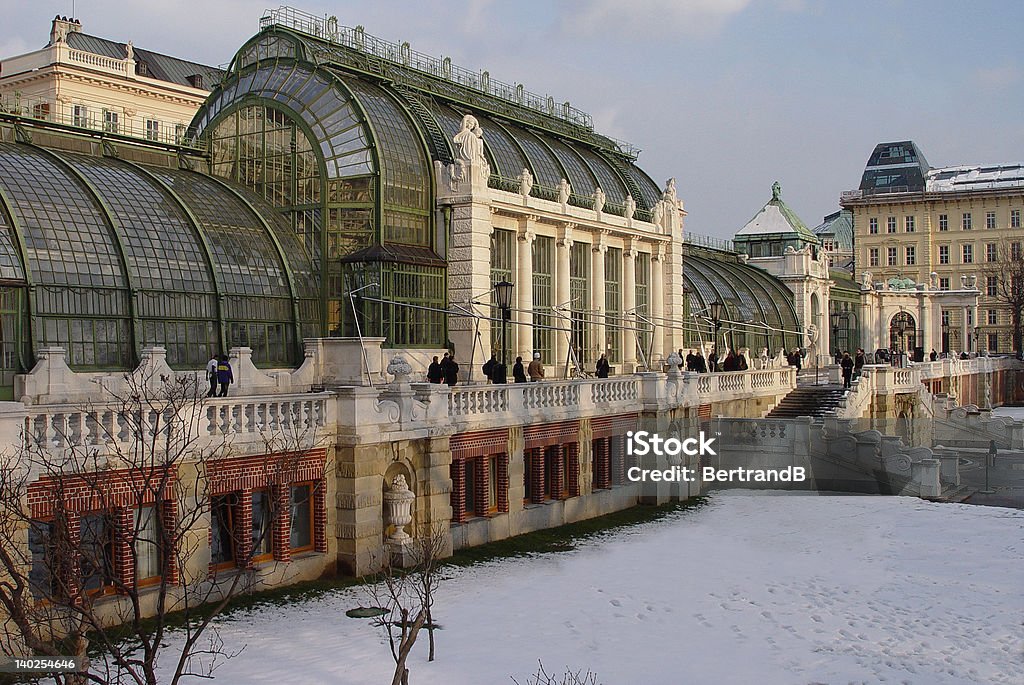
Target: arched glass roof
(759, 303)
(124, 255)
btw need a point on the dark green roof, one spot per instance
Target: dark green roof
(839, 225)
(157, 66)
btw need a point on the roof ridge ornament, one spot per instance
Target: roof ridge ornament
(776, 191)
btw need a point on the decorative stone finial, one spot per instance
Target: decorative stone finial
(399, 368)
(525, 182)
(776, 191)
(564, 190)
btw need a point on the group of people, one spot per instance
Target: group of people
(218, 372)
(850, 365)
(445, 371)
(695, 361)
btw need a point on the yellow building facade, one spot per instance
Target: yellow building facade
(946, 228)
(107, 86)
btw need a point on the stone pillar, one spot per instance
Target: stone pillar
(360, 515)
(657, 290)
(597, 329)
(563, 246)
(523, 334)
(463, 186)
(629, 337)
(924, 324)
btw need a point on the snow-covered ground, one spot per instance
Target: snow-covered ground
(752, 588)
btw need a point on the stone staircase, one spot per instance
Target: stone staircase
(811, 400)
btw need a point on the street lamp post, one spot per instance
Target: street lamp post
(717, 314)
(901, 330)
(503, 298)
(945, 337)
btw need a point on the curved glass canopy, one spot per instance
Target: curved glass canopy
(122, 255)
(759, 308)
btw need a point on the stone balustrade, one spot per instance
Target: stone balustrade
(296, 418)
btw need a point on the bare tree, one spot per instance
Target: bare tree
(569, 677)
(105, 512)
(407, 597)
(1008, 272)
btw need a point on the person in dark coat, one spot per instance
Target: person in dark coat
(713, 361)
(224, 375)
(858, 362)
(488, 368)
(847, 364)
(730, 362)
(933, 356)
(741, 362)
(434, 374)
(699, 363)
(211, 374)
(518, 372)
(450, 370)
(603, 367)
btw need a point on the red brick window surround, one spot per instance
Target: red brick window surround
(479, 474)
(116, 523)
(254, 500)
(608, 448)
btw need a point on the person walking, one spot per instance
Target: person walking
(518, 372)
(713, 361)
(434, 374)
(536, 369)
(847, 364)
(224, 375)
(211, 374)
(450, 370)
(858, 362)
(699, 364)
(603, 367)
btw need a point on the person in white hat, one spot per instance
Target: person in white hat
(536, 369)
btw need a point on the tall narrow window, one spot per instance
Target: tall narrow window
(943, 254)
(262, 542)
(966, 222)
(152, 129)
(1014, 218)
(873, 256)
(613, 304)
(890, 256)
(302, 517)
(990, 219)
(543, 297)
(873, 226)
(579, 296)
(96, 553)
(890, 224)
(909, 223)
(643, 283)
(147, 544)
(943, 222)
(222, 530)
(502, 267)
(42, 577)
(968, 254)
(991, 286)
(910, 255)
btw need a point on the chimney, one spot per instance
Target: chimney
(61, 27)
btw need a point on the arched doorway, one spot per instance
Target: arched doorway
(903, 332)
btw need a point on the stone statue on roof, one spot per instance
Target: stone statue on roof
(525, 182)
(564, 190)
(776, 191)
(130, 50)
(630, 207)
(469, 141)
(599, 200)
(669, 195)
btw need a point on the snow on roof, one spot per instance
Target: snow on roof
(958, 178)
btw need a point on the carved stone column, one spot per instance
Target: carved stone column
(629, 338)
(523, 336)
(597, 328)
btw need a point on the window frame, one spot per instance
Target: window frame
(157, 518)
(267, 521)
(231, 508)
(310, 508)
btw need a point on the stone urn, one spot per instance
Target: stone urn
(398, 504)
(400, 369)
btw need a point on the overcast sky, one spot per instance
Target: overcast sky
(725, 95)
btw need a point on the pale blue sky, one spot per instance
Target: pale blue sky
(725, 95)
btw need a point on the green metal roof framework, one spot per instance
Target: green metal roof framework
(114, 256)
(381, 123)
(750, 294)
